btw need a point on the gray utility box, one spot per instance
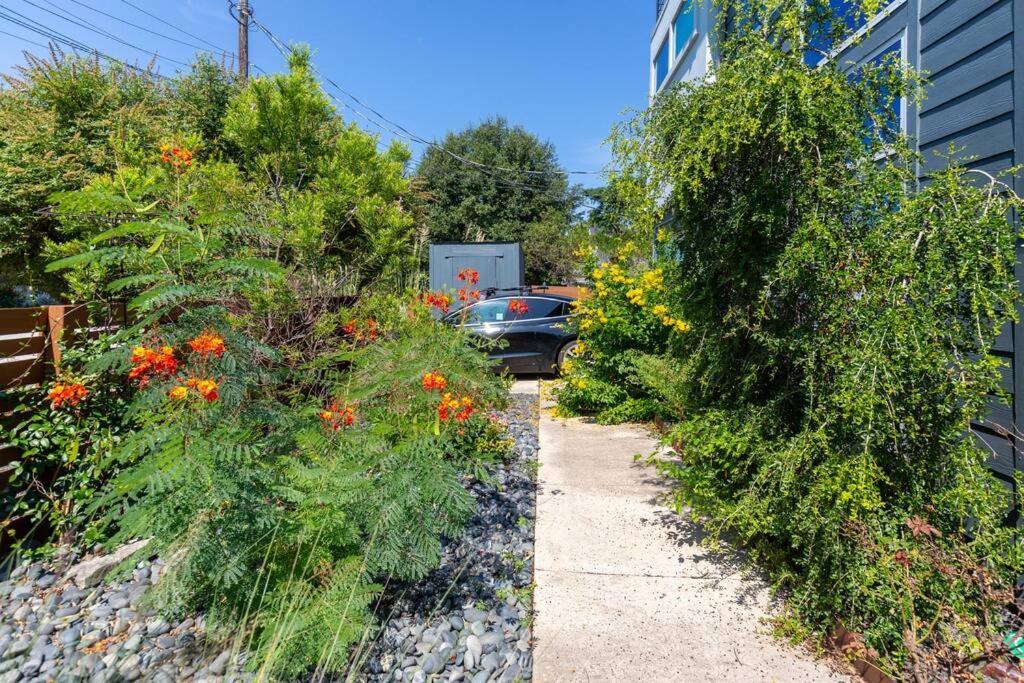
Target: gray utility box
(500, 265)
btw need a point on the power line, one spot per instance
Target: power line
(56, 36)
(59, 38)
(24, 40)
(78, 21)
(176, 27)
(405, 132)
(143, 28)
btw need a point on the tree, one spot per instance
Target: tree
(467, 202)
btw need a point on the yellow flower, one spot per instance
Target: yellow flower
(598, 273)
(178, 393)
(668, 321)
(659, 310)
(637, 297)
(682, 327)
(654, 279)
(662, 235)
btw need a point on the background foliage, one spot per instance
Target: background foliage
(533, 204)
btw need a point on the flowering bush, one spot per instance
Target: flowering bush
(627, 312)
(352, 474)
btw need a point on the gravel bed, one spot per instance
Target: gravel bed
(469, 620)
(53, 630)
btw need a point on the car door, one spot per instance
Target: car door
(491, 319)
(537, 323)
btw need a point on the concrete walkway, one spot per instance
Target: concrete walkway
(624, 590)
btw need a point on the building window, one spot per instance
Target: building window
(661, 66)
(894, 117)
(683, 27)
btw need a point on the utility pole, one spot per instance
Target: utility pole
(243, 40)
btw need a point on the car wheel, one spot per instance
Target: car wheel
(568, 351)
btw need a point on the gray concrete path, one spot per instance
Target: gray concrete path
(624, 590)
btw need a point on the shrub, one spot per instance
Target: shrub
(625, 314)
(841, 313)
(278, 502)
(64, 438)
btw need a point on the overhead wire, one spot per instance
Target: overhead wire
(175, 26)
(404, 132)
(78, 21)
(143, 28)
(56, 36)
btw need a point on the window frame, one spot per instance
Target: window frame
(666, 50)
(678, 52)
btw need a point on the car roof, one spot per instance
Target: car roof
(539, 295)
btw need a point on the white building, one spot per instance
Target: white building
(680, 43)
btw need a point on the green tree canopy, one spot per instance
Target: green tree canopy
(467, 202)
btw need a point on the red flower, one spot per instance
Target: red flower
(335, 417)
(458, 408)
(442, 302)
(518, 306)
(208, 343)
(206, 388)
(469, 276)
(177, 158)
(349, 328)
(148, 363)
(434, 381)
(66, 393)
(468, 295)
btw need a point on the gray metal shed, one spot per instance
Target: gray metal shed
(500, 264)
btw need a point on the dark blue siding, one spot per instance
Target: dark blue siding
(971, 52)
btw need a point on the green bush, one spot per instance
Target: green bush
(841, 315)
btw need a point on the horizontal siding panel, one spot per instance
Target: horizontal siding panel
(990, 26)
(999, 450)
(1004, 342)
(951, 16)
(20, 372)
(990, 140)
(882, 35)
(982, 67)
(22, 344)
(976, 107)
(998, 418)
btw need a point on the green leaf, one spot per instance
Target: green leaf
(84, 258)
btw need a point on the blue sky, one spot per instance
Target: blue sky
(565, 69)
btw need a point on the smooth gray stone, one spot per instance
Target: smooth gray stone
(220, 664)
(432, 664)
(18, 647)
(71, 635)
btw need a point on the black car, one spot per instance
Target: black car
(537, 329)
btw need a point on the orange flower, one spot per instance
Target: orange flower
(458, 408)
(178, 158)
(178, 393)
(469, 275)
(208, 343)
(518, 306)
(442, 302)
(335, 417)
(434, 381)
(206, 388)
(468, 295)
(70, 394)
(147, 363)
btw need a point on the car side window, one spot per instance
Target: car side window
(536, 309)
(495, 311)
